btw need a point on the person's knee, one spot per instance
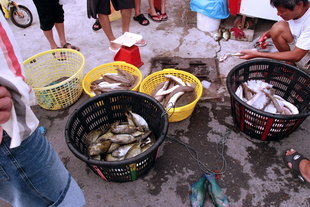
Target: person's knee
(281, 30)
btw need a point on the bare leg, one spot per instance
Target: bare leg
(126, 15)
(304, 166)
(152, 11)
(163, 6)
(49, 36)
(281, 36)
(60, 27)
(137, 7)
(106, 26)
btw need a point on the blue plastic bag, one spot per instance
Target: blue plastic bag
(216, 9)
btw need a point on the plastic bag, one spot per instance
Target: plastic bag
(217, 9)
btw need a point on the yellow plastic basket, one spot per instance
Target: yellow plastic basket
(180, 113)
(55, 77)
(96, 73)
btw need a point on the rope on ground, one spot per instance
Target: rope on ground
(220, 148)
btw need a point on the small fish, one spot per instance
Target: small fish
(177, 93)
(217, 36)
(176, 79)
(113, 147)
(92, 136)
(138, 120)
(219, 199)
(99, 147)
(122, 138)
(197, 196)
(121, 151)
(226, 35)
(123, 129)
(134, 151)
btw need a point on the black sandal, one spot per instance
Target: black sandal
(97, 25)
(141, 18)
(294, 159)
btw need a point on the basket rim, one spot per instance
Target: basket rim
(135, 159)
(167, 70)
(108, 64)
(62, 82)
(262, 60)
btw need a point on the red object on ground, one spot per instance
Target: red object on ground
(234, 7)
(130, 55)
(218, 175)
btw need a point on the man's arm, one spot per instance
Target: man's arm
(290, 56)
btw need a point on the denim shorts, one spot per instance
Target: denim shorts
(32, 175)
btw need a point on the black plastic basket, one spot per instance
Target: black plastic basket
(289, 82)
(103, 110)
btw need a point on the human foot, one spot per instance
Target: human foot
(153, 15)
(141, 43)
(114, 47)
(299, 165)
(141, 19)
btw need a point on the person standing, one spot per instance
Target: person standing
(51, 14)
(31, 173)
(291, 35)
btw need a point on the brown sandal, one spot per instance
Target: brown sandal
(69, 46)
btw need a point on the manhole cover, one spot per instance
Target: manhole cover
(202, 68)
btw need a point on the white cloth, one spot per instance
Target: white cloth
(23, 121)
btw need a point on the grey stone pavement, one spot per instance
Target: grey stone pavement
(255, 174)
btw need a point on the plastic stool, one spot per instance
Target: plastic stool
(130, 55)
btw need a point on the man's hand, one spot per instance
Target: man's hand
(5, 107)
(249, 54)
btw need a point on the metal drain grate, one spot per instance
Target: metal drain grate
(202, 68)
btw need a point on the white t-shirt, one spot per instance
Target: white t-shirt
(300, 29)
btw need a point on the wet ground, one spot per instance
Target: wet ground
(253, 171)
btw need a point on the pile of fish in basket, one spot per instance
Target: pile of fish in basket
(121, 80)
(261, 95)
(170, 91)
(123, 140)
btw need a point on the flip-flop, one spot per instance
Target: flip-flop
(141, 18)
(69, 46)
(163, 16)
(114, 50)
(152, 17)
(140, 44)
(294, 159)
(97, 25)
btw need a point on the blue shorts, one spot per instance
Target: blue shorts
(33, 175)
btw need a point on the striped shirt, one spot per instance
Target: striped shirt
(23, 121)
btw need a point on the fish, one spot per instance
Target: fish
(92, 136)
(217, 36)
(99, 147)
(173, 96)
(291, 107)
(122, 138)
(219, 199)
(198, 193)
(176, 79)
(134, 151)
(138, 120)
(226, 34)
(121, 151)
(116, 128)
(113, 147)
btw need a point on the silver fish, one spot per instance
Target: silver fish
(122, 138)
(124, 129)
(138, 120)
(134, 151)
(113, 147)
(121, 151)
(217, 36)
(176, 79)
(226, 35)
